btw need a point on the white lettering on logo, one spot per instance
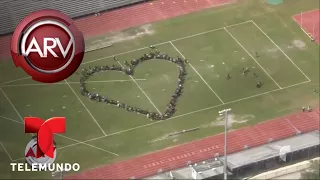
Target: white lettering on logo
(42, 167)
(76, 167)
(13, 165)
(54, 167)
(34, 47)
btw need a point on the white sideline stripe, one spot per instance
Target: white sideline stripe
(23, 85)
(15, 80)
(11, 119)
(253, 58)
(111, 134)
(85, 107)
(142, 91)
(178, 39)
(249, 97)
(200, 110)
(5, 150)
(125, 80)
(81, 142)
(78, 142)
(156, 122)
(42, 84)
(15, 160)
(166, 42)
(281, 50)
(197, 73)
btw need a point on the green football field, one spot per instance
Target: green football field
(217, 42)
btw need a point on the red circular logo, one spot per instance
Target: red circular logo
(48, 46)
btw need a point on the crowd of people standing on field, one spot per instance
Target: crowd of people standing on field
(129, 70)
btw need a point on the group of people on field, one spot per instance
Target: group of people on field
(246, 71)
(129, 70)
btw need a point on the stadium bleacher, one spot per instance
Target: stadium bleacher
(13, 11)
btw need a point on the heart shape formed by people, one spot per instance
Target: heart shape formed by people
(129, 70)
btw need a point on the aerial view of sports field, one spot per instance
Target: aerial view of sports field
(258, 59)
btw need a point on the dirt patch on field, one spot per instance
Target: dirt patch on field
(299, 44)
(118, 37)
(164, 137)
(131, 35)
(272, 50)
(232, 119)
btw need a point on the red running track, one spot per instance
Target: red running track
(131, 16)
(310, 22)
(206, 148)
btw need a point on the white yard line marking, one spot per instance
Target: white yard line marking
(142, 91)
(78, 142)
(200, 110)
(195, 70)
(5, 95)
(42, 84)
(15, 80)
(166, 42)
(253, 58)
(10, 119)
(281, 50)
(267, 92)
(85, 107)
(5, 150)
(107, 57)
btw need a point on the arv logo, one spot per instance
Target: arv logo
(48, 46)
